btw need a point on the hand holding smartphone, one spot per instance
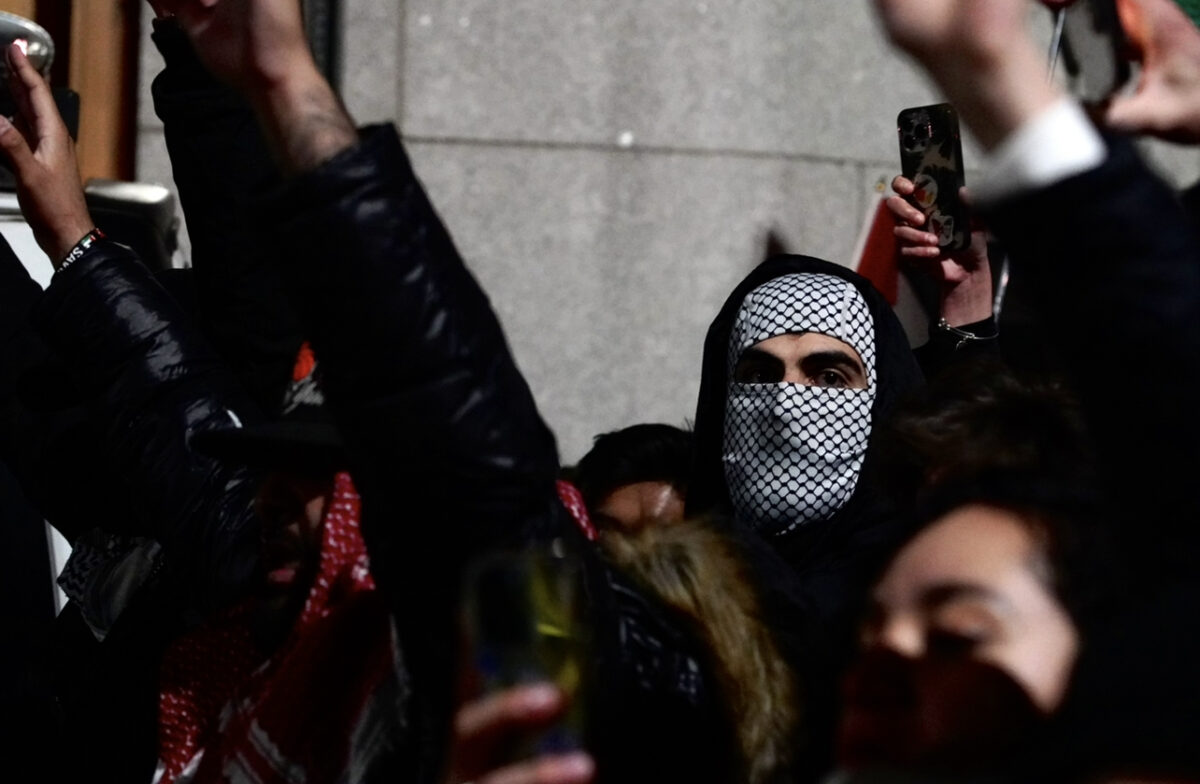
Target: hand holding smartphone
(931, 157)
(525, 625)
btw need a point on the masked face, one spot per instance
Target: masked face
(975, 584)
(966, 649)
(932, 715)
(798, 405)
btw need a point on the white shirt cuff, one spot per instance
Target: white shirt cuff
(1058, 143)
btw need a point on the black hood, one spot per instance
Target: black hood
(897, 374)
(812, 579)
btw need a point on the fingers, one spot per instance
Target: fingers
(34, 99)
(1152, 112)
(915, 236)
(905, 212)
(920, 252)
(914, 243)
(902, 185)
(509, 710)
(485, 728)
(15, 149)
(1147, 110)
(576, 768)
(20, 95)
(42, 157)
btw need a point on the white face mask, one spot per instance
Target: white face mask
(793, 453)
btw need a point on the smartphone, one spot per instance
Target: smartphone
(1095, 51)
(525, 623)
(931, 156)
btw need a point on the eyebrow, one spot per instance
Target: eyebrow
(836, 357)
(758, 355)
(945, 593)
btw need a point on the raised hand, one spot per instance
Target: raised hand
(485, 728)
(1167, 100)
(41, 154)
(965, 277)
(935, 30)
(250, 44)
(980, 54)
(258, 47)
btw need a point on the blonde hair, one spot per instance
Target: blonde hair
(696, 570)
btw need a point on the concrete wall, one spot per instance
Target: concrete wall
(610, 168)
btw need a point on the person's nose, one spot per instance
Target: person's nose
(902, 635)
(793, 375)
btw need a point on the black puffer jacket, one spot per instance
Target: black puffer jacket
(221, 166)
(134, 382)
(450, 453)
(453, 459)
(150, 382)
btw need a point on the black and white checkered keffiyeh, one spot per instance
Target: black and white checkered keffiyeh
(793, 453)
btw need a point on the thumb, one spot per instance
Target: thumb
(1141, 112)
(15, 149)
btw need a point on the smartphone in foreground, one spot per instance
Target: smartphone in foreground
(931, 157)
(524, 624)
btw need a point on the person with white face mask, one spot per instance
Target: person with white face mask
(802, 363)
(798, 411)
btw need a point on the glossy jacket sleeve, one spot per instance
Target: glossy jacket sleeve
(439, 420)
(446, 444)
(150, 382)
(221, 164)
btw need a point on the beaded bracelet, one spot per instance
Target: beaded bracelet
(81, 248)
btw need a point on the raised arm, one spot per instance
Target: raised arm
(1108, 252)
(259, 48)
(221, 167)
(1166, 102)
(980, 55)
(415, 362)
(146, 380)
(446, 444)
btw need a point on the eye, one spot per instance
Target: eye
(757, 376)
(955, 643)
(831, 379)
(758, 369)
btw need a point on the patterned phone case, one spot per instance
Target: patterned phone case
(931, 156)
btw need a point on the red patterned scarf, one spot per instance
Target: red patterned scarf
(328, 700)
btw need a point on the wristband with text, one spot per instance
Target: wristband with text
(81, 248)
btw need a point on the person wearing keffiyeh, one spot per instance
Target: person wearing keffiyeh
(803, 361)
(238, 694)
